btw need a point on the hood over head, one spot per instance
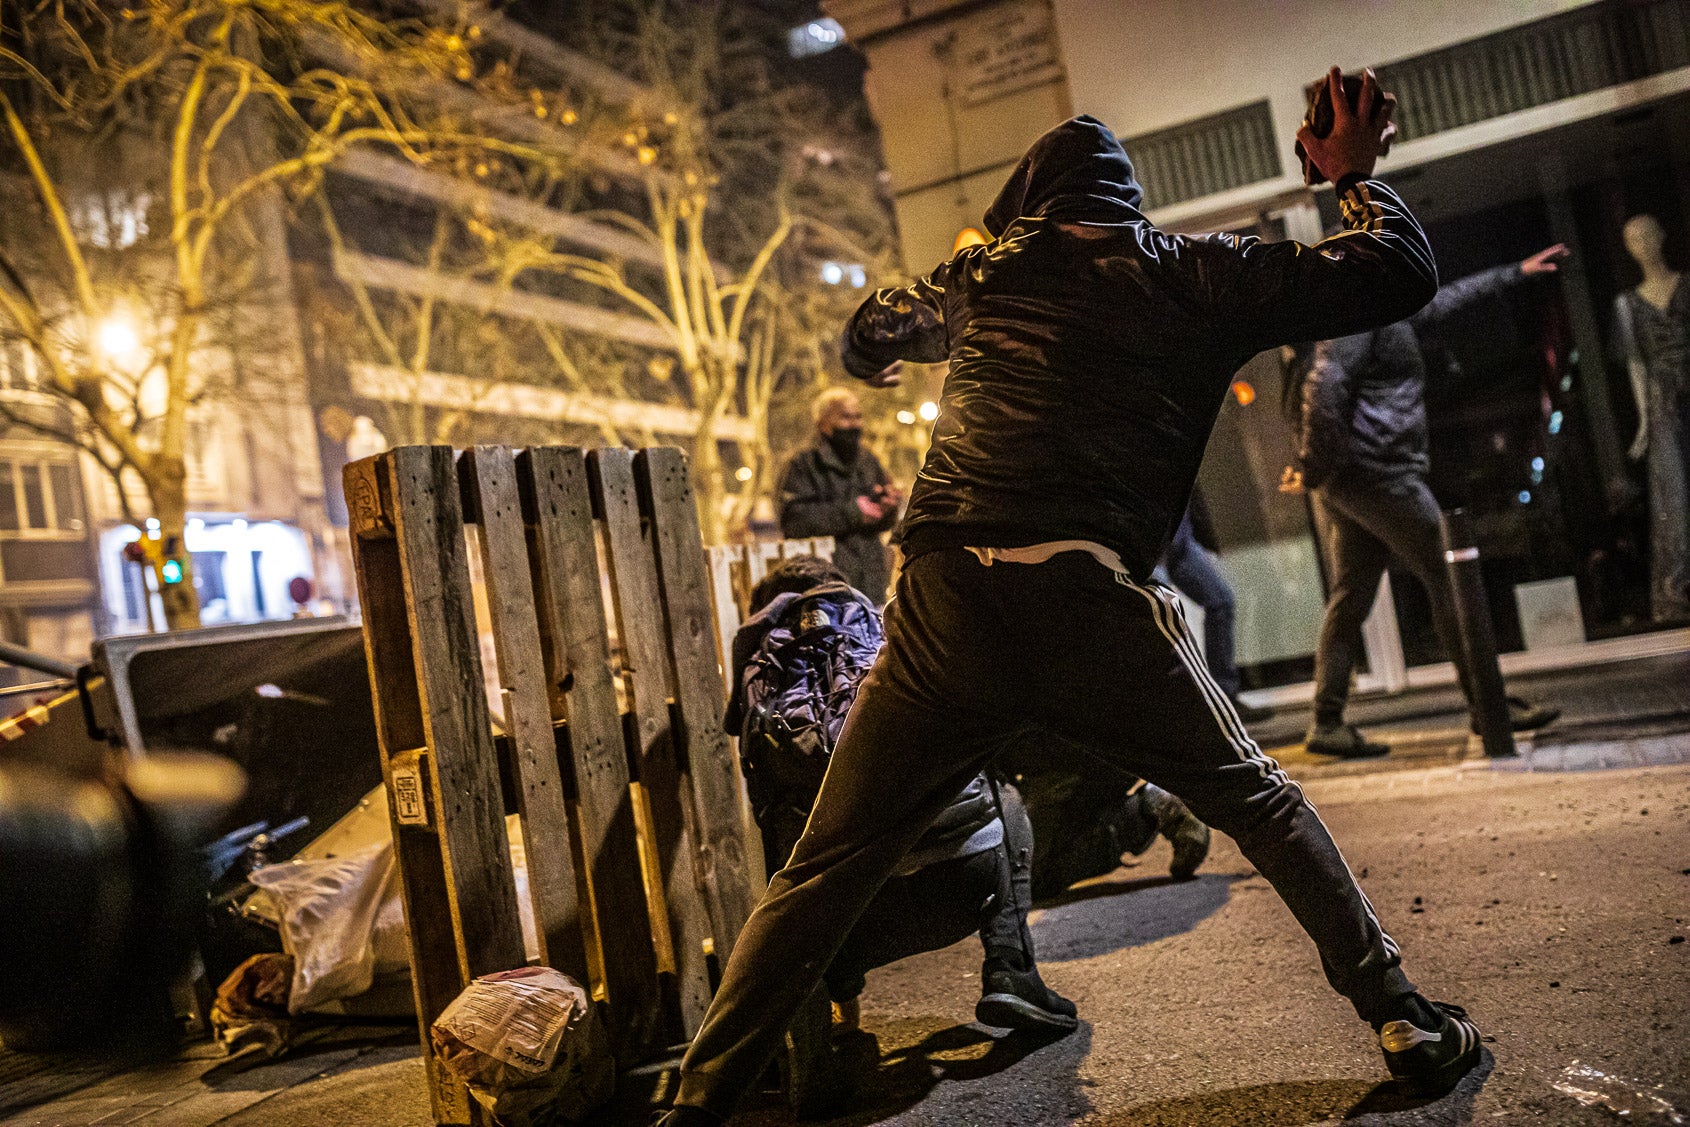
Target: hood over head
(1076, 171)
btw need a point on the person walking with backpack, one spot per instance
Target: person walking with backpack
(797, 663)
(1089, 353)
(1359, 412)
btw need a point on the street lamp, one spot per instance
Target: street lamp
(929, 411)
(118, 339)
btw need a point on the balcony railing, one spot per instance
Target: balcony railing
(1532, 64)
(1209, 155)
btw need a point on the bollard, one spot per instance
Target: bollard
(1472, 611)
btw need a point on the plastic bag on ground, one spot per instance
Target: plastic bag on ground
(342, 918)
(329, 913)
(529, 1045)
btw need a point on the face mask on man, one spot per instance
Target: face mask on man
(846, 441)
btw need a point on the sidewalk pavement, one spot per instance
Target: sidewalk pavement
(1619, 714)
(1624, 715)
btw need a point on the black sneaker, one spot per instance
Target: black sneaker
(1012, 999)
(817, 1087)
(1344, 741)
(1430, 1062)
(1188, 836)
(1523, 716)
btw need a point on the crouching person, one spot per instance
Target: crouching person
(797, 663)
(1087, 819)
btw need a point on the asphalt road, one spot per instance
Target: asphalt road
(1554, 907)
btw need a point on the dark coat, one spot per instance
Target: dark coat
(818, 497)
(1090, 352)
(1363, 397)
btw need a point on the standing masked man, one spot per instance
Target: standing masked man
(1362, 446)
(838, 488)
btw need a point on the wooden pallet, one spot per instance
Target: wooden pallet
(604, 636)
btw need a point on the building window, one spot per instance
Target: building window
(17, 365)
(67, 498)
(39, 499)
(8, 498)
(111, 220)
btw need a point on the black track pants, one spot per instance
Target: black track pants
(1362, 527)
(975, 653)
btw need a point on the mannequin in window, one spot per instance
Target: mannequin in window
(1652, 333)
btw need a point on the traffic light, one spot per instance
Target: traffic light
(170, 568)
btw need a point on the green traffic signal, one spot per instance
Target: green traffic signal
(171, 572)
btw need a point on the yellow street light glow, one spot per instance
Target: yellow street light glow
(117, 337)
(929, 411)
(743, 473)
(906, 417)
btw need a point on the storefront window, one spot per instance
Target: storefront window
(1530, 403)
(1264, 537)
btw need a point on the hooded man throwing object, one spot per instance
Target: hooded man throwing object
(1089, 355)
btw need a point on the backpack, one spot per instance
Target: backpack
(798, 686)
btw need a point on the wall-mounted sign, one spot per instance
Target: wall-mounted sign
(1009, 48)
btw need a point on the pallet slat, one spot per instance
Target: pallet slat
(727, 570)
(712, 766)
(726, 600)
(639, 622)
(489, 477)
(429, 520)
(435, 736)
(574, 636)
(761, 556)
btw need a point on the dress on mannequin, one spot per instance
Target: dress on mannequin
(1653, 333)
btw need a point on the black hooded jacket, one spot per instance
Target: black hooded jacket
(1090, 352)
